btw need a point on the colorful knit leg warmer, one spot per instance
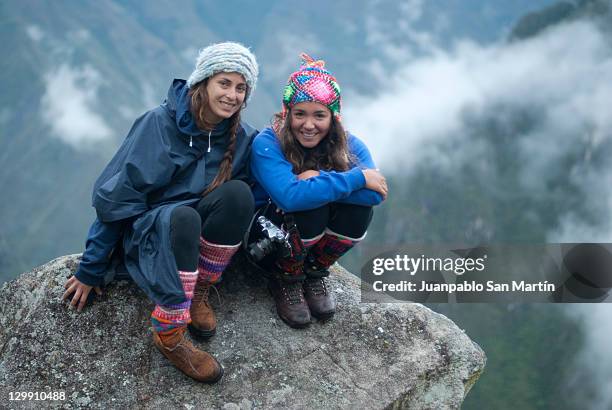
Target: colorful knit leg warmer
(292, 267)
(213, 260)
(166, 318)
(328, 250)
(309, 243)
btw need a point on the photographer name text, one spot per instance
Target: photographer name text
(465, 286)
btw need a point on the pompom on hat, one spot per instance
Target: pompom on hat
(312, 83)
(228, 57)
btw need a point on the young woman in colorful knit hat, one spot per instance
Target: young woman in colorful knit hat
(309, 168)
(173, 203)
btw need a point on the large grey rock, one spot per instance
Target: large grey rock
(368, 356)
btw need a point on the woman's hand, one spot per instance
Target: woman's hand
(308, 174)
(376, 181)
(80, 291)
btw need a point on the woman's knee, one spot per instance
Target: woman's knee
(312, 223)
(237, 198)
(351, 220)
(229, 213)
(185, 225)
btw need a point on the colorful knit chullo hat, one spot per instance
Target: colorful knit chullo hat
(312, 83)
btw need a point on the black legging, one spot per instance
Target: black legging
(344, 219)
(221, 217)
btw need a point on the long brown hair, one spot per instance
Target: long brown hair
(332, 153)
(199, 108)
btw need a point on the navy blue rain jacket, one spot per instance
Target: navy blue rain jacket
(162, 164)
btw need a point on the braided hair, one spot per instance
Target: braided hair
(199, 107)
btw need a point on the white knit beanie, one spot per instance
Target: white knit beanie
(225, 57)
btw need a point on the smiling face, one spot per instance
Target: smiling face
(226, 94)
(310, 123)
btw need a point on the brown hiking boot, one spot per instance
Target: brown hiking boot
(290, 303)
(195, 363)
(319, 298)
(203, 321)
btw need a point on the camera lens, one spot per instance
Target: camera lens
(260, 249)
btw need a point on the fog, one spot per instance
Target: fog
(70, 105)
(564, 75)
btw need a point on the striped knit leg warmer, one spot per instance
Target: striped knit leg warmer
(309, 243)
(167, 318)
(213, 260)
(292, 267)
(329, 249)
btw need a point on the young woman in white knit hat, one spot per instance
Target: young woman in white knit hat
(173, 202)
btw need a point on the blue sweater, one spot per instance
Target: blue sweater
(275, 178)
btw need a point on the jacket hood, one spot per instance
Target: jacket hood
(179, 104)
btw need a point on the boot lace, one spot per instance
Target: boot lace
(316, 286)
(293, 293)
(201, 293)
(185, 345)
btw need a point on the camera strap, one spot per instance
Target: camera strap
(293, 265)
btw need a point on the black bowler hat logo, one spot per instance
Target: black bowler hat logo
(590, 269)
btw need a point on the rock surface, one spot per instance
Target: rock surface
(368, 356)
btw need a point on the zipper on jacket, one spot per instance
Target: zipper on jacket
(191, 141)
(209, 132)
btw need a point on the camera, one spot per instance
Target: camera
(274, 240)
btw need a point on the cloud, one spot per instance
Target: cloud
(150, 96)
(286, 56)
(562, 80)
(5, 115)
(189, 54)
(426, 98)
(412, 10)
(79, 36)
(34, 32)
(428, 101)
(69, 106)
(382, 36)
(590, 365)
